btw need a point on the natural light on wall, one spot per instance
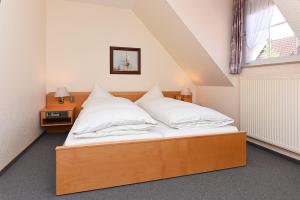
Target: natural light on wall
(269, 37)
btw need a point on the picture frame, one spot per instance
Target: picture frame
(125, 60)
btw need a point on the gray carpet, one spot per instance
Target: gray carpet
(267, 176)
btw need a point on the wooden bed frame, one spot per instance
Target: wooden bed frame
(89, 167)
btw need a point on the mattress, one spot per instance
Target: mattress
(161, 131)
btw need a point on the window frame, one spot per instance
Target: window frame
(275, 60)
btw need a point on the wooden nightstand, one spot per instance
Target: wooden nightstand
(58, 118)
(186, 98)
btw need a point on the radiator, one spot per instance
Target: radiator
(270, 112)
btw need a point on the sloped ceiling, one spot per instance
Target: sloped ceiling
(210, 22)
(291, 10)
(180, 42)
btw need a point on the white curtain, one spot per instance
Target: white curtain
(259, 15)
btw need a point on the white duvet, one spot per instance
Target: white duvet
(111, 115)
(179, 114)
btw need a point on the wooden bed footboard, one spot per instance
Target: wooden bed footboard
(90, 167)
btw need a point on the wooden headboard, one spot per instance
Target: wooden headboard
(80, 97)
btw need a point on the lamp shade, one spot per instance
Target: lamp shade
(186, 91)
(61, 92)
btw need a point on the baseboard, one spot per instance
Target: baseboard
(2, 171)
(276, 149)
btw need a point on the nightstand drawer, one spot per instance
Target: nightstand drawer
(57, 121)
(57, 118)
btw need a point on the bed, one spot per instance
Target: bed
(89, 164)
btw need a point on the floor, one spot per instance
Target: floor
(267, 176)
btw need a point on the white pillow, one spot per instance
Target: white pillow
(178, 114)
(154, 93)
(97, 92)
(109, 113)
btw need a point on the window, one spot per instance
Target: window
(282, 41)
(278, 44)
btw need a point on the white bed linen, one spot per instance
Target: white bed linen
(168, 132)
(159, 132)
(71, 140)
(178, 114)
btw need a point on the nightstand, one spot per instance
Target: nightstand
(186, 98)
(58, 118)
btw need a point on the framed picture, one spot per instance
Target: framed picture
(125, 60)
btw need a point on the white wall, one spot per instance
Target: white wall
(227, 99)
(223, 99)
(175, 25)
(210, 22)
(78, 38)
(22, 74)
(291, 11)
